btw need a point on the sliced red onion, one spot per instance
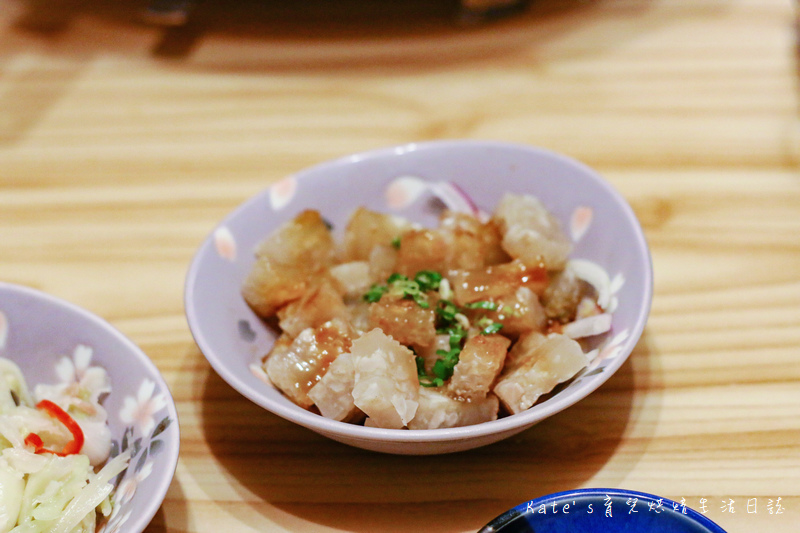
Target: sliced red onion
(456, 199)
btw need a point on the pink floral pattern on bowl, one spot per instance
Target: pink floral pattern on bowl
(140, 437)
(56, 343)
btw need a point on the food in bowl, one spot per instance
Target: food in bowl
(398, 326)
(56, 469)
(63, 350)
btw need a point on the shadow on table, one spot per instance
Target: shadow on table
(290, 475)
(274, 36)
(264, 35)
(174, 505)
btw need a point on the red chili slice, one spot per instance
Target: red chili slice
(34, 440)
(72, 447)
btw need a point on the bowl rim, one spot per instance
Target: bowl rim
(353, 432)
(154, 500)
(520, 510)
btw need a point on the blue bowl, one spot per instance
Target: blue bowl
(601, 511)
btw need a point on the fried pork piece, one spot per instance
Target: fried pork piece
(438, 410)
(269, 286)
(535, 365)
(295, 365)
(382, 261)
(359, 315)
(495, 281)
(288, 262)
(333, 394)
(520, 352)
(386, 386)
(530, 233)
(352, 278)
(563, 295)
(404, 320)
(420, 249)
(317, 306)
(470, 243)
(367, 229)
(479, 363)
(519, 312)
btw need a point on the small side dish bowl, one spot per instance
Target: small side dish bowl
(414, 181)
(600, 510)
(54, 342)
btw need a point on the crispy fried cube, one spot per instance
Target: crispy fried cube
(534, 372)
(269, 286)
(479, 363)
(295, 365)
(367, 229)
(352, 278)
(382, 263)
(386, 386)
(518, 312)
(314, 308)
(530, 233)
(404, 320)
(438, 410)
(563, 295)
(305, 241)
(287, 262)
(421, 249)
(470, 243)
(333, 394)
(496, 281)
(520, 352)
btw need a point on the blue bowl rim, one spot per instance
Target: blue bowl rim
(520, 510)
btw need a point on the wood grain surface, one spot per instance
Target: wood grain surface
(123, 144)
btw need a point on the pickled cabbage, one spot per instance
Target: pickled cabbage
(43, 487)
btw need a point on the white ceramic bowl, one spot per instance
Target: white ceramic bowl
(39, 332)
(408, 180)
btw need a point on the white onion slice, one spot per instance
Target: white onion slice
(588, 327)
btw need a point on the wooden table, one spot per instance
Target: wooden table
(123, 144)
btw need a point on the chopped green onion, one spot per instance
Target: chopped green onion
(428, 381)
(492, 328)
(447, 312)
(396, 277)
(428, 280)
(424, 379)
(375, 292)
(443, 369)
(507, 309)
(396, 243)
(482, 304)
(457, 334)
(484, 321)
